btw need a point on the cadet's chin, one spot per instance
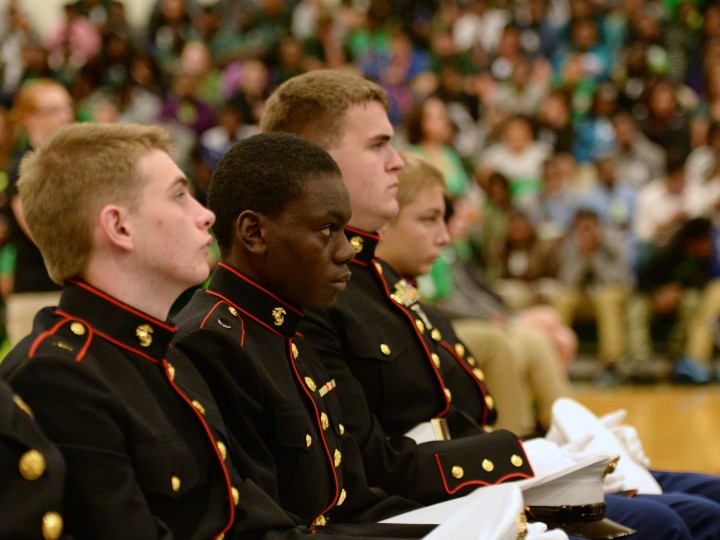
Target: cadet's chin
(323, 302)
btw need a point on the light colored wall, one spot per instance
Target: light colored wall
(44, 13)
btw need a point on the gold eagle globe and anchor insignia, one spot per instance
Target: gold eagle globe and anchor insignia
(278, 315)
(357, 243)
(144, 334)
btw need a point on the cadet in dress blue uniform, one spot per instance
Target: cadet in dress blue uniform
(281, 207)
(147, 453)
(371, 341)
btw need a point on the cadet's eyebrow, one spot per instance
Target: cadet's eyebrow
(336, 214)
(180, 180)
(381, 137)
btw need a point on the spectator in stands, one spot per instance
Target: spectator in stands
(638, 159)
(594, 278)
(665, 204)
(557, 201)
(673, 282)
(430, 134)
(667, 122)
(525, 267)
(39, 110)
(519, 156)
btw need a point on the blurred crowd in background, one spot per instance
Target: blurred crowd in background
(578, 138)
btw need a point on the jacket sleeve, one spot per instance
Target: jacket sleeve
(400, 466)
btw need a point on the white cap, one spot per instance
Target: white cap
(576, 422)
(569, 495)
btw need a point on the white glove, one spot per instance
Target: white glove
(575, 450)
(626, 435)
(555, 435)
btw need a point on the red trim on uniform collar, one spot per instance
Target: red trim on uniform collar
(374, 236)
(257, 286)
(122, 305)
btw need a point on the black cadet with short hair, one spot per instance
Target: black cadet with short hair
(263, 173)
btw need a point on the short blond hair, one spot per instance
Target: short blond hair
(313, 105)
(417, 175)
(64, 184)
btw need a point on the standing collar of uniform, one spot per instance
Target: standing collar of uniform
(364, 244)
(267, 308)
(115, 321)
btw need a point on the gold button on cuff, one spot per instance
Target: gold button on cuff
(490, 402)
(470, 360)
(341, 428)
(479, 374)
(385, 349)
(308, 440)
(488, 429)
(310, 384)
(435, 334)
(77, 328)
(460, 349)
(175, 483)
(320, 521)
(448, 394)
(52, 526)
(420, 326)
(341, 498)
(324, 421)
(338, 457)
(457, 472)
(488, 465)
(222, 449)
(232, 311)
(32, 465)
(235, 495)
(516, 460)
(171, 371)
(435, 359)
(198, 406)
(295, 352)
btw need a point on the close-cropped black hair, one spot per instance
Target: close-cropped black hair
(263, 173)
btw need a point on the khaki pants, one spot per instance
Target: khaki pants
(518, 294)
(691, 335)
(522, 371)
(605, 304)
(700, 339)
(21, 310)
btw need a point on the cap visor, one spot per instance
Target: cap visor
(595, 530)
